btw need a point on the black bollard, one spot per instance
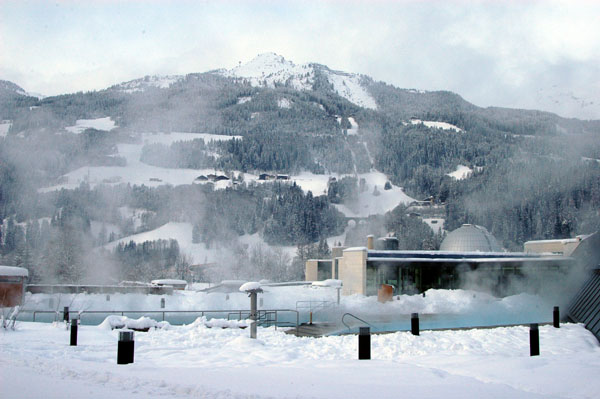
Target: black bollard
(162, 303)
(74, 332)
(414, 323)
(66, 314)
(534, 340)
(125, 347)
(364, 343)
(556, 317)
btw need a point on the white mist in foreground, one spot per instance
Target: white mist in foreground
(195, 361)
(438, 308)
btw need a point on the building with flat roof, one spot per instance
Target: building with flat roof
(363, 270)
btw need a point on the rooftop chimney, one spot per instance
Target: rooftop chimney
(370, 241)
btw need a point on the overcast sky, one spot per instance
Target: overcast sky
(521, 54)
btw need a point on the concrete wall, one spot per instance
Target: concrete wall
(311, 270)
(563, 247)
(353, 271)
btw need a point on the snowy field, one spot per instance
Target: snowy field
(105, 124)
(198, 252)
(136, 172)
(437, 125)
(195, 361)
(461, 172)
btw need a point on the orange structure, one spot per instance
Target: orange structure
(12, 285)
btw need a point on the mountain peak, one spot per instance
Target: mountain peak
(270, 69)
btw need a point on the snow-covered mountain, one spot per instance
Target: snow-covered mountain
(11, 89)
(7, 87)
(270, 69)
(155, 81)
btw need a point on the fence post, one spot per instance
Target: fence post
(556, 317)
(414, 323)
(125, 347)
(74, 332)
(364, 343)
(534, 340)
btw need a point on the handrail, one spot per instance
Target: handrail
(320, 305)
(262, 314)
(357, 318)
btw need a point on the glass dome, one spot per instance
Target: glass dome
(470, 238)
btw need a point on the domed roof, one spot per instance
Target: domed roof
(470, 238)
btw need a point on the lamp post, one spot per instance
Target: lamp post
(252, 289)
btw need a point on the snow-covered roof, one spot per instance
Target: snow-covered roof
(328, 283)
(167, 281)
(355, 249)
(13, 271)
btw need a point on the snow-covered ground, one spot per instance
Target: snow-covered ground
(106, 124)
(354, 129)
(437, 125)
(375, 204)
(196, 361)
(198, 252)
(284, 103)
(436, 224)
(461, 172)
(5, 127)
(156, 81)
(137, 172)
(349, 87)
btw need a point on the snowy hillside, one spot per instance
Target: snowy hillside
(437, 125)
(135, 171)
(198, 252)
(139, 85)
(105, 124)
(269, 69)
(461, 172)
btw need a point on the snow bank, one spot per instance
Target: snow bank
(143, 323)
(221, 323)
(195, 361)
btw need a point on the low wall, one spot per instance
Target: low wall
(97, 289)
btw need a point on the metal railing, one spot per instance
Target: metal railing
(267, 317)
(314, 306)
(357, 318)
